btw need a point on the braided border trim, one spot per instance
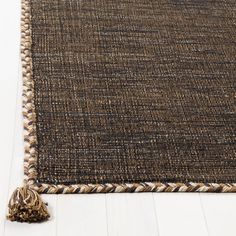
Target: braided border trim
(29, 115)
(30, 140)
(134, 188)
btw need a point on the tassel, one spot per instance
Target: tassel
(26, 205)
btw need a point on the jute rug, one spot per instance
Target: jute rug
(128, 96)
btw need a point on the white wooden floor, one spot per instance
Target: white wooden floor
(143, 214)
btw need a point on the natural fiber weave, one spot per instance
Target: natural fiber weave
(129, 96)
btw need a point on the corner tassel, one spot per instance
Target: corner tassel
(26, 205)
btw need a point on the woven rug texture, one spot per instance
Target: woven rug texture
(130, 91)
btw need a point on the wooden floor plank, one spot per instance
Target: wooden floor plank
(9, 62)
(131, 214)
(80, 214)
(220, 213)
(180, 214)
(6, 154)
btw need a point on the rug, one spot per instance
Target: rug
(129, 96)
(129, 92)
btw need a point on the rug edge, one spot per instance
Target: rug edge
(30, 140)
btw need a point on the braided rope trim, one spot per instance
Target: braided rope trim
(30, 140)
(134, 188)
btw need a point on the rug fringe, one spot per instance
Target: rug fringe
(26, 205)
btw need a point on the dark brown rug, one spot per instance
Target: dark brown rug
(129, 95)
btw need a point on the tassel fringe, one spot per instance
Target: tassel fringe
(26, 205)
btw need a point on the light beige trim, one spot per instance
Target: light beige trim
(30, 160)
